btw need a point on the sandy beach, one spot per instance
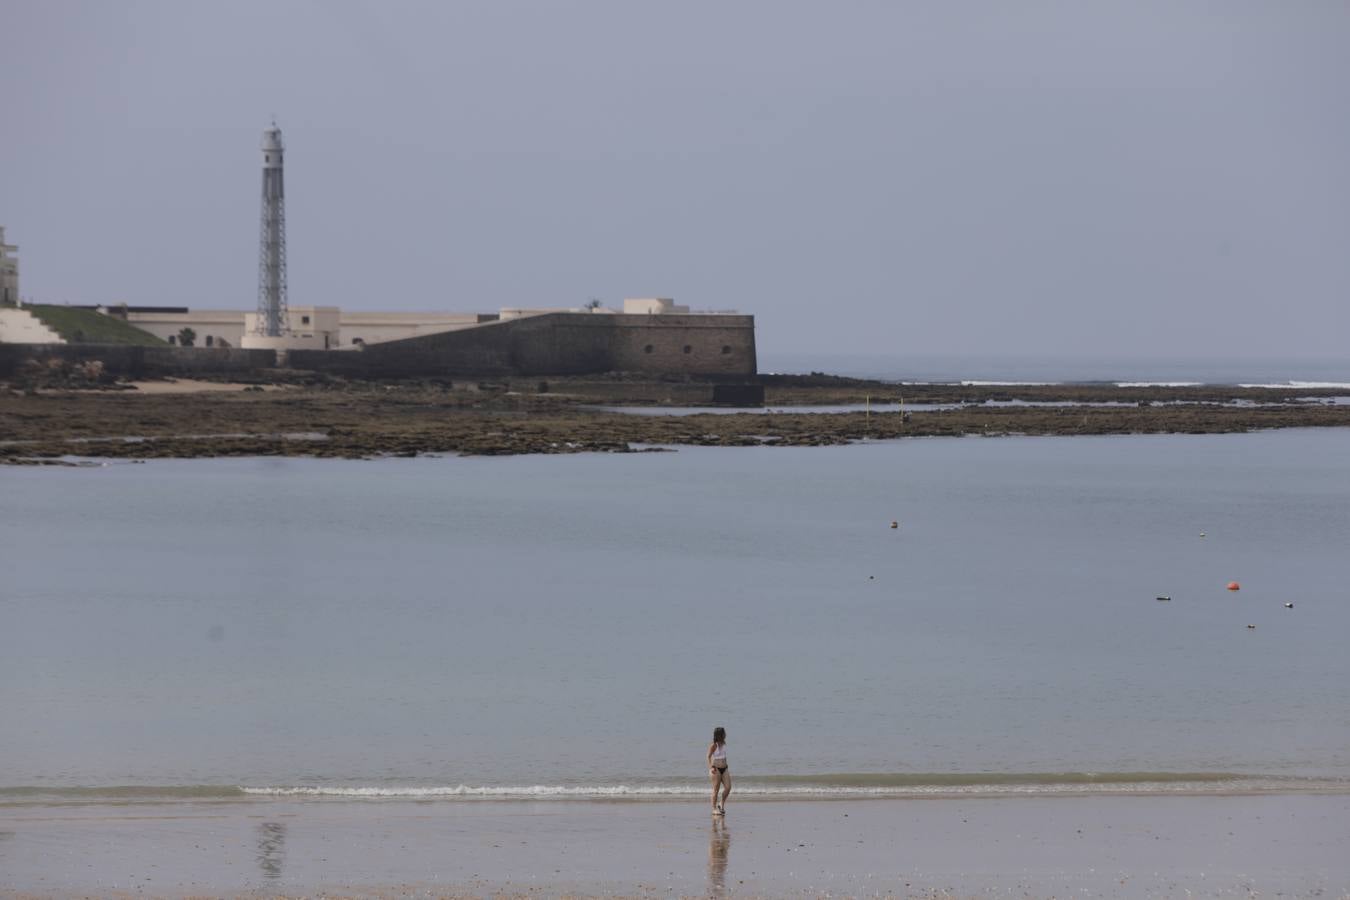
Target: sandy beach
(1140, 846)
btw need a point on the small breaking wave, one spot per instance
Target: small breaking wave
(849, 786)
(763, 787)
(1152, 384)
(1307, 385)
(1009, 383)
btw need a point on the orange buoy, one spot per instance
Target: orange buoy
(1234, 586)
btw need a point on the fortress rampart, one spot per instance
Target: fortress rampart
(562, 343)
(559, 344)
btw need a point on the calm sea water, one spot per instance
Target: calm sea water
(576, 625)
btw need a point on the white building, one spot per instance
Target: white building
(9, 272)
(307, 328)
(210, 327)
(312, 327)
(653, 306)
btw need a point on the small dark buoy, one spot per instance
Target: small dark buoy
(1251, 626)
(1164, 598)
(1289, 606)
(895, 524)
(870, 577)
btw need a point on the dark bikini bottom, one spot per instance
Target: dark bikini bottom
(721, 770)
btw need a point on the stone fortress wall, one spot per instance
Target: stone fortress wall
(560, 344)
(563, 343)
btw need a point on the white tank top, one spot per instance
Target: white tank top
(720, 755)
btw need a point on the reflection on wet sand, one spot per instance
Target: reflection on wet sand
(719, 846)
(271, 848)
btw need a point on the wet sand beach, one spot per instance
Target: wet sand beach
(1137, 846)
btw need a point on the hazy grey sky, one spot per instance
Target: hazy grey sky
(1130, 178)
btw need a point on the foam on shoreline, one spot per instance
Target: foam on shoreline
(845, 786)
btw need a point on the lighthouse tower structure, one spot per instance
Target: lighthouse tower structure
(271, 320)
(270, 326)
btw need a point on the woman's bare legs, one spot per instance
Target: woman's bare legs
(716, 778)
(726, 790)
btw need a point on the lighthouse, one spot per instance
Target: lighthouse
(271, 319)
(275, 326)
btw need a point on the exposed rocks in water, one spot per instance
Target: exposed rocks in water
(337, 418)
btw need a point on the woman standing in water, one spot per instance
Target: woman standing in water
(719, 771)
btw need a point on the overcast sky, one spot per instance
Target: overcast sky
(1069, 179)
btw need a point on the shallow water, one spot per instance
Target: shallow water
(577, 624)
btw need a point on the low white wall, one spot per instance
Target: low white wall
(291, 341)
(217, 324)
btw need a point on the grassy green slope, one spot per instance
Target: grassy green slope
(85, 326)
